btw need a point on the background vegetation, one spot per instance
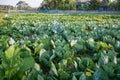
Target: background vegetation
(67, 5)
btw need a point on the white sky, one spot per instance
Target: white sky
(32, 3)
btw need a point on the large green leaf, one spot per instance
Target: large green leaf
(74, 78)
(109, 69)
(83, 77)
(10, 52)
(53, 69)
(40, 77)
(79, 47)
(104, 59)
(27, 63)
(117, 46)
(1, 73)
(100, 75)
(64, 75)
(87, 63)
(63, 64)
(104, 45)
(38, 48)
(91, 46)
(32, 75)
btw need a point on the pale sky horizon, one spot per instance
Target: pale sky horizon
(32, 3)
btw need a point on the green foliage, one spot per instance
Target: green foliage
(95, 4)
(61, 5)
(22, 5)
(98, 75)
(9, 52)
(53, 68)
(82, 77)
(14, 66)
(60, 47)
(63, 75)
(118, 4)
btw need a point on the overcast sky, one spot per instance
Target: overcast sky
(32, 3)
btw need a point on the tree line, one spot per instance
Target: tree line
(68, 5)
(89, 5)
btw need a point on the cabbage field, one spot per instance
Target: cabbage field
(36, 46)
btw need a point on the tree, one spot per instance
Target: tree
(6, 7)
(72, 4)
(61, 4)
(107, 2)
(22, 5)
(118, 4)
(95, 4)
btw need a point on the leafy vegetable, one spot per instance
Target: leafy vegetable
(60, 47)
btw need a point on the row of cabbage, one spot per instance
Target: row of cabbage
(46, 47)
